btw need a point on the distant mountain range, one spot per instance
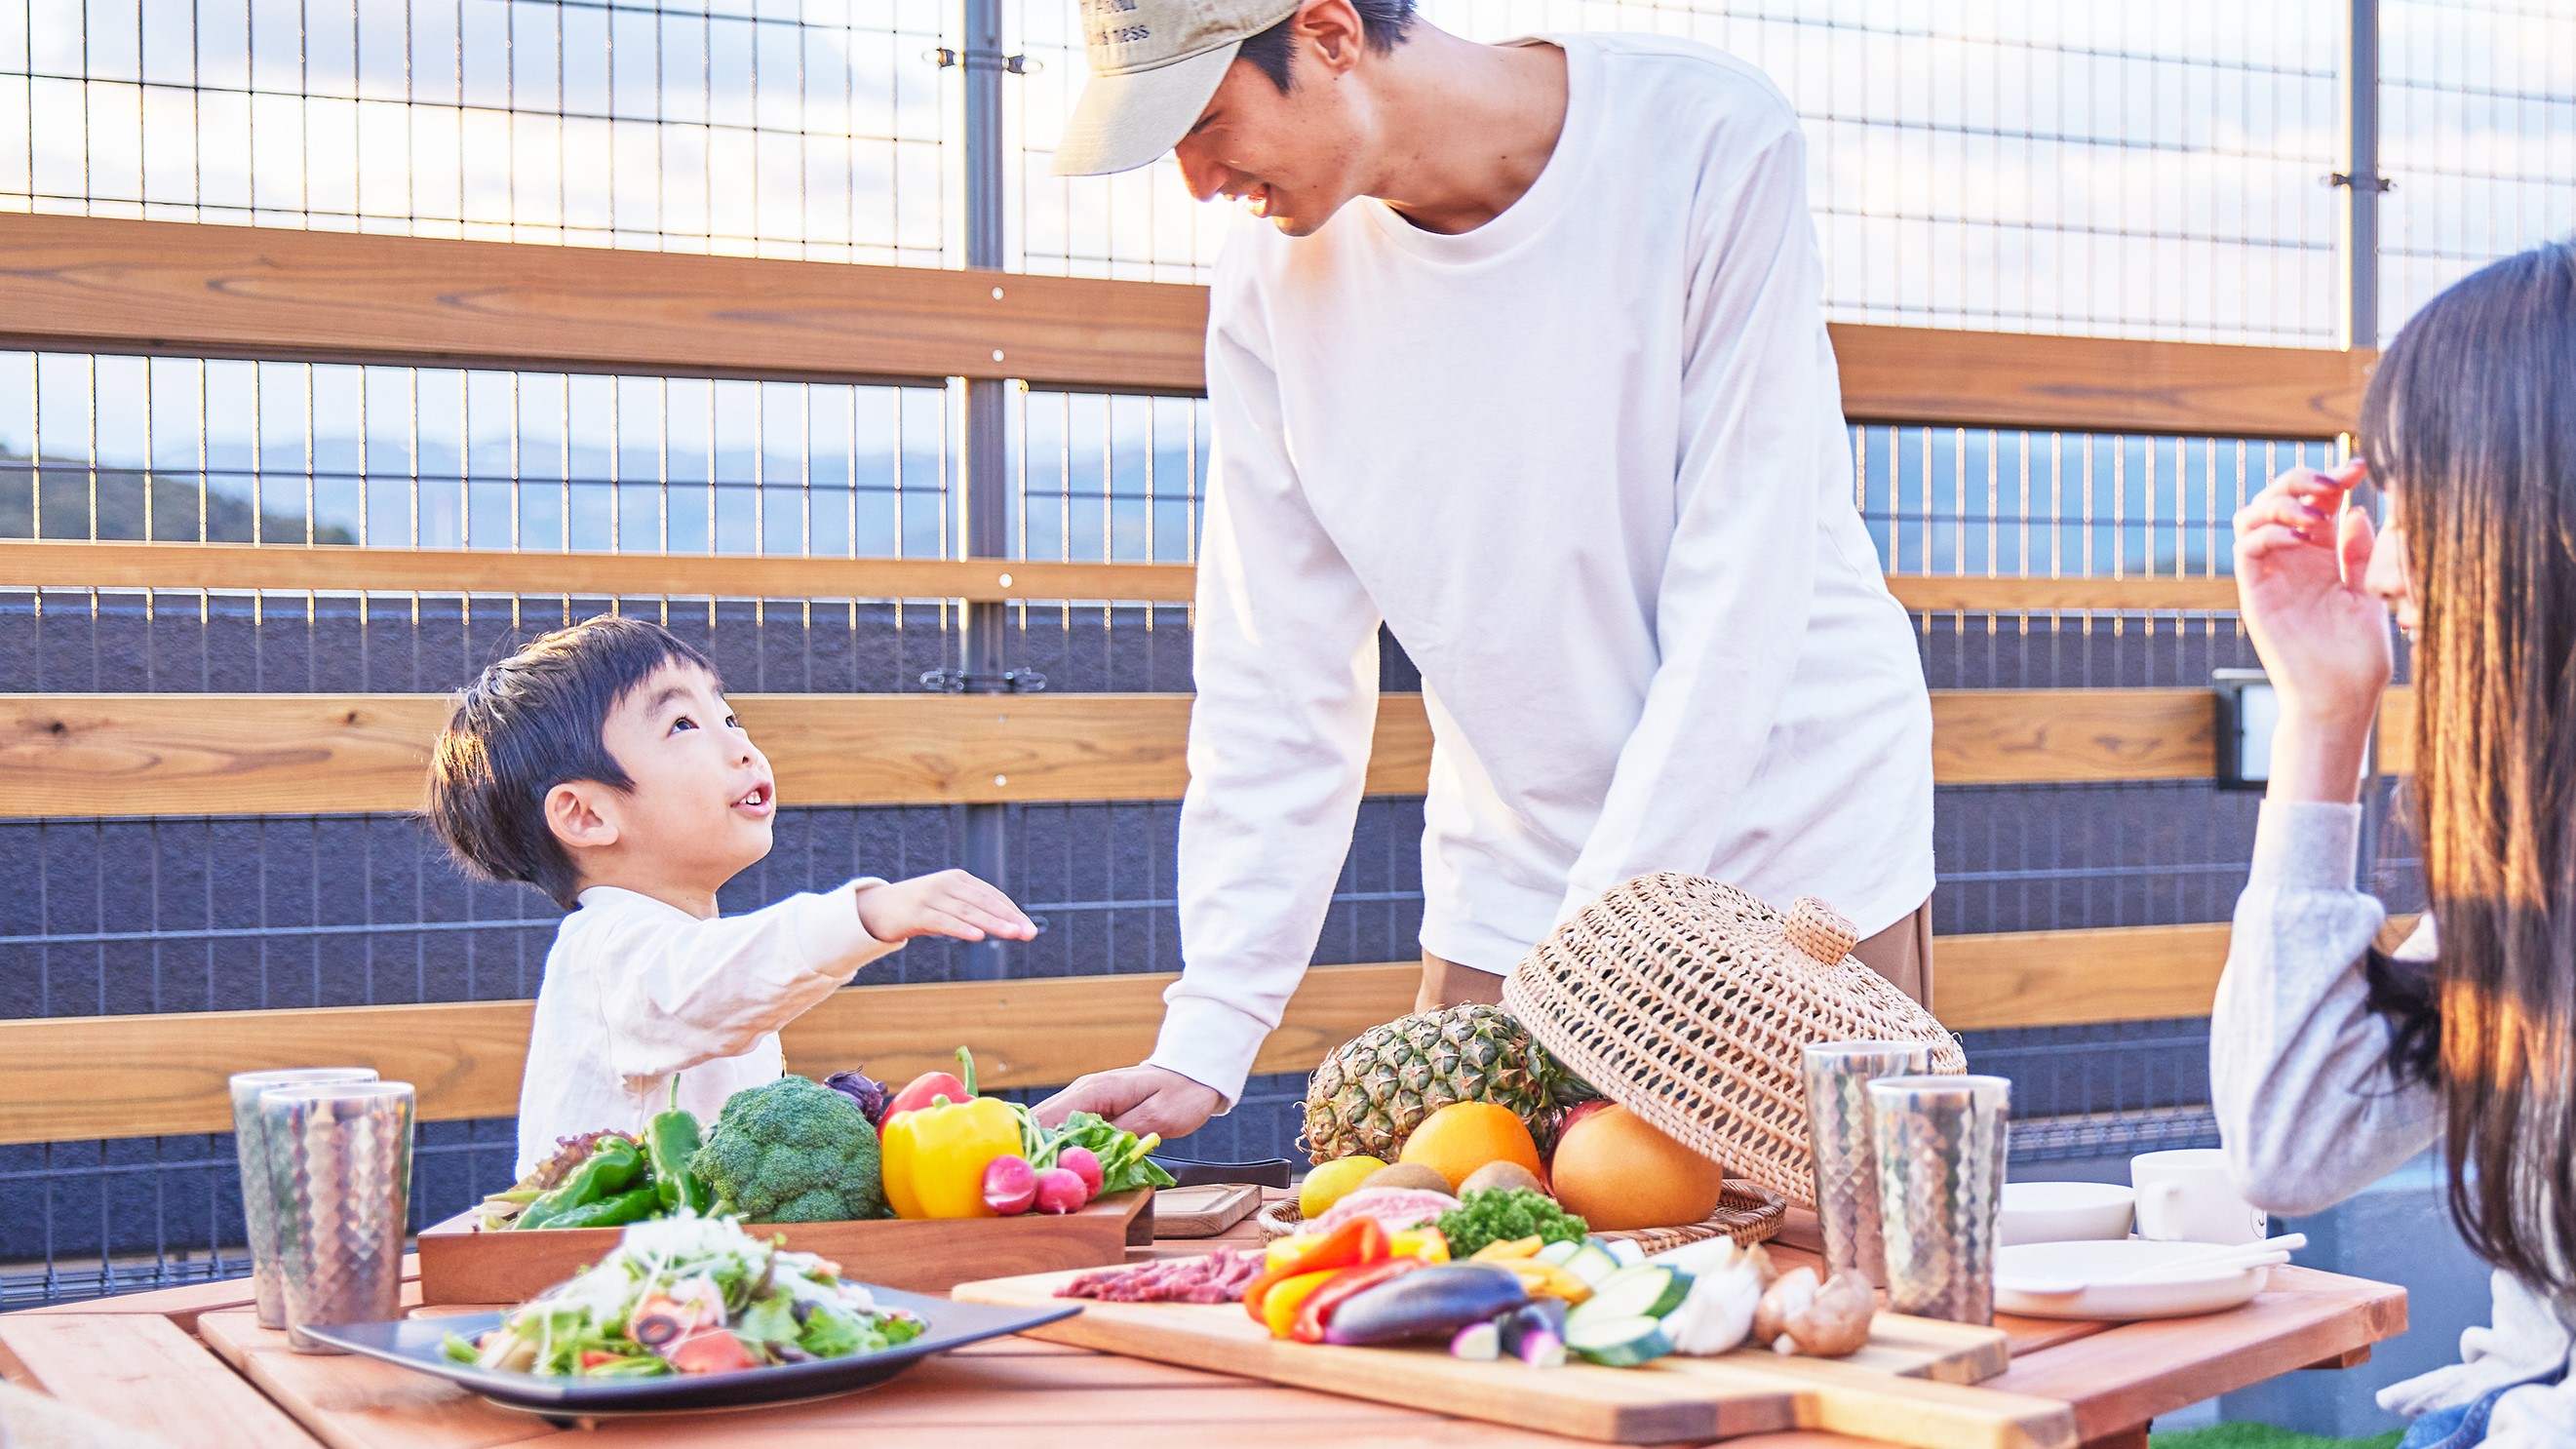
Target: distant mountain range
(67, 490)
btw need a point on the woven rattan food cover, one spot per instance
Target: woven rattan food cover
(1690, 1002)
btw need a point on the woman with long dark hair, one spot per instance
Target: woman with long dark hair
(2332, 1063)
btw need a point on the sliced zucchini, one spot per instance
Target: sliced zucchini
(1648, 1290)
(1591, 1264)
(1625, 1250)
(1616, 1342)
(1555, 1254)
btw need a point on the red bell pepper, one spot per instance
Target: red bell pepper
(1361, 1240)
(922, 1090)
(1317, 1310)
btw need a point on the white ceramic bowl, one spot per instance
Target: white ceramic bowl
(2064, 1212)
(2033, 1280)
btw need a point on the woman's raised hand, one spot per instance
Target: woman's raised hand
(2300, 558)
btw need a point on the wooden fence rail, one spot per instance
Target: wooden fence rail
(73, 1078)
(116, 755)
(341, 569)
(101, 284)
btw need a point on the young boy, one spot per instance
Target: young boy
(601, 765)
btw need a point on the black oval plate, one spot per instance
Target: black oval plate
(419, 1343)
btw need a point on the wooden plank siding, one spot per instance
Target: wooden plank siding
(60, 564)
(119, 755)
(73, 1078)
(100, 284)
(111, 285)
(298, 568)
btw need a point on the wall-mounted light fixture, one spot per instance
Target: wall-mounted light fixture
(2248, 710)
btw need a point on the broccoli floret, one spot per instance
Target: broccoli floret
(792, 1152)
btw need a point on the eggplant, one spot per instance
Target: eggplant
(1428, 1303)
(1536, 1318)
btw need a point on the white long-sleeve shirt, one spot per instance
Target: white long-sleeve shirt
(1588, 463)
(2309, 1114)
(637, 991)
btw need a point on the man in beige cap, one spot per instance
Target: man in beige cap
(1530, 367)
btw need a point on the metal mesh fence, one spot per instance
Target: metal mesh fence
(2478, 137)
(817, 130)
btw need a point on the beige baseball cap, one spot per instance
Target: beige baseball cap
(1154, 64)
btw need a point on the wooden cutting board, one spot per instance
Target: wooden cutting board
(1913, 1384)
(1203, 1211)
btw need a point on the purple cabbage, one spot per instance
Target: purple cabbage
(867, 1091)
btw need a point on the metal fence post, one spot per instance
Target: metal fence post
(985, 531)
(2361, 184)
(2360, 180)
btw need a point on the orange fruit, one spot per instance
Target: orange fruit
(1618, 1173)
(1464, 1136)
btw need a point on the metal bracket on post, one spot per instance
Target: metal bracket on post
(963, 681)
(947, 58)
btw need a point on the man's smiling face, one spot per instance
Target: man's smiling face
(1291, 158)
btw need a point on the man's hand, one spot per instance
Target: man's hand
(1138, 1099)
(950, 903)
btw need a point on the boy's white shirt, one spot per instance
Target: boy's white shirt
(1588, 462)
(637, 990)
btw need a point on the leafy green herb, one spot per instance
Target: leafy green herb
(1501, 1214)
(1123, 1160)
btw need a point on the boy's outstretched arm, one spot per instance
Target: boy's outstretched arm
(695, 992)
(949, 903)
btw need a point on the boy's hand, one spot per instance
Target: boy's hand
(950, 903)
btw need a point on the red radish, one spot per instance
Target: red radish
(1060, 1190)
(1009, 1185)
(1084, 1164)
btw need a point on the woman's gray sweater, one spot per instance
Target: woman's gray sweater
(2310, 1114)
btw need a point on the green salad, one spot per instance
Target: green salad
(689, 1295)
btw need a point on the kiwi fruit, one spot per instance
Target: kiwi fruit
(1406, 1174)
(1501, 1174)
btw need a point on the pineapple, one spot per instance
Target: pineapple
(1371, 1093)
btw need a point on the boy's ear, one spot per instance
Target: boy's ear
(582, 814)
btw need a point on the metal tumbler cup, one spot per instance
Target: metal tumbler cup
(250, 1149)
(339, 1163)
(1846, 1155)
(1941, 1146)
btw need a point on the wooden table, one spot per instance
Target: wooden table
(192, 1366)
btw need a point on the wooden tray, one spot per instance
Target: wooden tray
(1204, 1212)
(459, 1264)
(1912, 1385)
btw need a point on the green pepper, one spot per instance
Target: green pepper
(671, 1139)
(626, 1207)
(610, 1169)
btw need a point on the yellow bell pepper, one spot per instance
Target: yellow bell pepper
(934, 1158)
(1424, 1243)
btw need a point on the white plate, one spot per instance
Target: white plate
(2089, 1262)
(2061, 1212)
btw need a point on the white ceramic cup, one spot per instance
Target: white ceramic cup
(2185, 1197)
(2064, 1212)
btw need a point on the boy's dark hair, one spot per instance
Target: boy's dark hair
(1383, 22)
(530, 723)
